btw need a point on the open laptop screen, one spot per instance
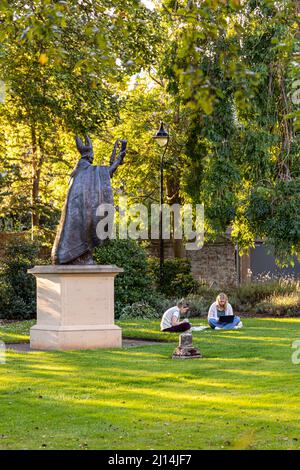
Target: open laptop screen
(226, 318)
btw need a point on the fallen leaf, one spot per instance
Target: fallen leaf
(43, 59)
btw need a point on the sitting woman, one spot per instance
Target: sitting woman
(170, 320)
(222, 308)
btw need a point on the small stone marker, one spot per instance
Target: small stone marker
(185, 350)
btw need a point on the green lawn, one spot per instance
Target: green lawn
(243, 394)
(18, 332)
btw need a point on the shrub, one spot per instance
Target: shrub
(17, 291)
(254, 292)
(198, 305)
(5, 298)
(135, 284)
(159, 302)
(139, 310)
(262, 295)
(209, 294)
(281, 305)
(177, 278)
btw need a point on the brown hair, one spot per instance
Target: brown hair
(183, 303)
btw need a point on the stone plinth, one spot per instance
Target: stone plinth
(75, 307)
(185, 350)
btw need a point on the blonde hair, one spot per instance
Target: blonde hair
(223, 297)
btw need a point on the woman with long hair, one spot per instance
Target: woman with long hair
(218, 311)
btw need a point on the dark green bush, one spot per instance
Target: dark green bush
(177, 278)
(135, 284)
(17, 287)
(5, 298)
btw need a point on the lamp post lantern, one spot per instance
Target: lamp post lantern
(162, 138)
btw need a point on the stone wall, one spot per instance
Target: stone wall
(153, 248)
(215, 264)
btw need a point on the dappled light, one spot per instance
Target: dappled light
(117, 394)
(113, 245)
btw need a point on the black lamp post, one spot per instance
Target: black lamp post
(162, 138)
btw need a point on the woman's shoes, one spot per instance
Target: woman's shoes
(199, 328)
(238, 326)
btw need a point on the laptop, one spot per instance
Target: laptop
(226, 318)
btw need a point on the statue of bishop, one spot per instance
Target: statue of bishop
(89, 187)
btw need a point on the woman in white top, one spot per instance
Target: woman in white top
(221, 307)
(170, 320)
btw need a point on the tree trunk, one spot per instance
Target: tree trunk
(287, 131)
(35, 181)
(172, 186)
(37, 162)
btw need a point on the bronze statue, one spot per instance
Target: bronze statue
(89, 186)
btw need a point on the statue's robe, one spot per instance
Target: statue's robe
(88, 188)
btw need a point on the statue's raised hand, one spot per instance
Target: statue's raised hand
(120, 144)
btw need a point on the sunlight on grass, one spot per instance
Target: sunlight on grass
(280, 320)
(256, 373)
(244, 441)
(14, 338)
(243, 337)
(242, 394)
(15, 332)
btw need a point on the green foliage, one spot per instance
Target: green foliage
(17, 287)
(202, 299)
(5, 298)
(199, 305)
(158, 301)
(128, 31)
(139, 310)
(267, 295)
(237, 80)
(64, 65)
(134, 285)
(274, 212)
(254, 292)
(177, 278)
(225, 90)
(280, 305)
